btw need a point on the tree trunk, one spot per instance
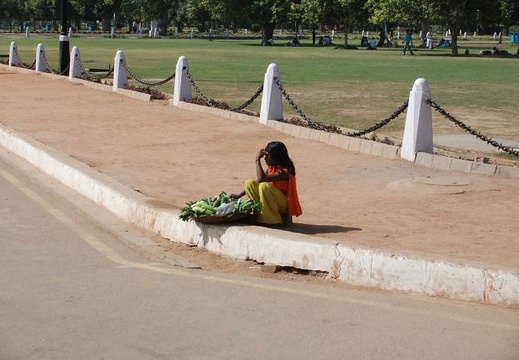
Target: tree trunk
(107, 23)
(267, 33)
(163, 24)
(454, 40)
(345, 37)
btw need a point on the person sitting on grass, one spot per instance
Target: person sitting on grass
(275, 188)
(372, 45)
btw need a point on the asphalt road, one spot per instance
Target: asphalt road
(76, 283)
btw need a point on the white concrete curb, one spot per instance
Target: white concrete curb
(358, 266)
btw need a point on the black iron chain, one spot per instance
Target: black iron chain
(88, 74)
(47, 66)
(467, 128)
(49, 69)
(250, 101)
(320, 126)
(20, 61)
(214, 104)
(144, 82)
(309, 121)
(197, 89)
(382, 123)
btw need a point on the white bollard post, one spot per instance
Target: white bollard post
(70, 32)
(27, 32)
(41, 66)
(13, 55)
(418, 135)
(120, 75)
(74, 68)
(182, 87)
(271, 107)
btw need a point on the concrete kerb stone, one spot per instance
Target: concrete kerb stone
(358, 266)
(93, 85)
(461, 165)
(507, 171)
(134, 94)
(424, 159)
(441, 162)
(482, 168)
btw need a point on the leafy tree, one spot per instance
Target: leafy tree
(509, 14)
(452, 13)
(82, 10)
(313, 14)
(40, 9)
(14, 11)
(162, 10)
(339, 14)
(348, 14)
(199, 12)
(267, 13)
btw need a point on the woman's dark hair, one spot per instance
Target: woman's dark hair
(278, 153)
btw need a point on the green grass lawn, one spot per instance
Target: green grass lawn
(350, 88)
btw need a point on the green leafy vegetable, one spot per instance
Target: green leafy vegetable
(220, 205)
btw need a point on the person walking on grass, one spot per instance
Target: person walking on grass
(408, 41)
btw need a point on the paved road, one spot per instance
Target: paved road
(74, 288)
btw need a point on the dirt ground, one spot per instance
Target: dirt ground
(174, 156)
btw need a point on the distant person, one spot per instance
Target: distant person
(295, 42)
(408, 41)
(327, 41)
(269, 42)
(389, 39)
(372, 45)
(429, 40)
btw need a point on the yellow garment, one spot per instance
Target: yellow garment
(274, 201)
(289, 188)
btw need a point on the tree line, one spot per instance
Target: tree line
(482, 16)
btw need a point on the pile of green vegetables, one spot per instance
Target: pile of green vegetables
(220, 205)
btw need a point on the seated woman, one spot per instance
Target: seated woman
(275, 188)
(372, 45)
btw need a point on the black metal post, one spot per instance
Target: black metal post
(64, 47)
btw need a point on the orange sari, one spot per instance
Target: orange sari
(289, 188)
